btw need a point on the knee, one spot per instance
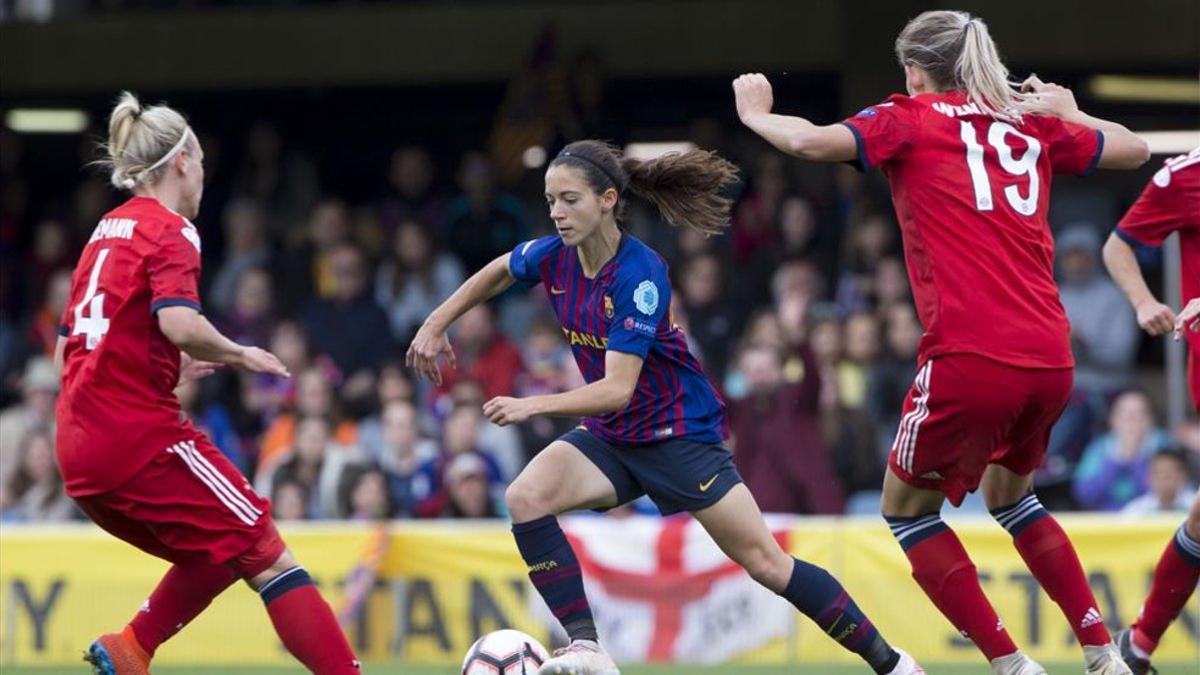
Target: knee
(768, 565)
(283, 563)
(526, 502)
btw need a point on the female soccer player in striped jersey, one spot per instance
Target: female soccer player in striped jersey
(969, 160)
(653, 424)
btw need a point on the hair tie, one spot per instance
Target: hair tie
(598, 165)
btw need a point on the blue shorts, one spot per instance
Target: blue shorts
(678, 475)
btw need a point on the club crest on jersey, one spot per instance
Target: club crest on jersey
(867, 112)
(609, 312)
(645, 297)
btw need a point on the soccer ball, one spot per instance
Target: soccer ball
(504, 652)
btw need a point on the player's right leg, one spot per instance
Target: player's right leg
(1175, 579)
(559, 479)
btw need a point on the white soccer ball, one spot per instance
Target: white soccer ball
(505, 652)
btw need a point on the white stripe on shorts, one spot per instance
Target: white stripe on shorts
(203, 462)
(247, 517)
(905, 441)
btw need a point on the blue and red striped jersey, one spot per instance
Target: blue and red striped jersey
(626, 308)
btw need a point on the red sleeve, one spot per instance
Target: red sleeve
(174, 267)
(1156, 214)
(1073, 148)
(883, 132)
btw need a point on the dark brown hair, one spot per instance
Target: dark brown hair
(686, 187)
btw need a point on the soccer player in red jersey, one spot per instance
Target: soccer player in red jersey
(1170, 203)
(969, 160)
(131, 331)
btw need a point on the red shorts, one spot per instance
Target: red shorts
(965, 412)
(191, 505)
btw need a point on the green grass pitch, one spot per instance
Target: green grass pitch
(1060, 669)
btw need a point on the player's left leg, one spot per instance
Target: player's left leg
(737, 525)
(302, 619)
(1050, 556)
(1175, 579)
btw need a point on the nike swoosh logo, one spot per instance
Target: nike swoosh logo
(704, 486)
(556, 291)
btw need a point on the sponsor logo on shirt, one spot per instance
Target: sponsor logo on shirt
(585, 339)
(608, 307)
(645, 297)
(639, 326)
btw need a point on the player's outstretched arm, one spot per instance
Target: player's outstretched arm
(188, 330)
(1123, 149)
(793, 135)
(1188, 319)
(608, 394)
(431, 342)
(1154, 317)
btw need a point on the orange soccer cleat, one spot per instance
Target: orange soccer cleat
(118, 654)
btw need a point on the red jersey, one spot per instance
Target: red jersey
(971, 194)
(1171, 203)
(117, 408)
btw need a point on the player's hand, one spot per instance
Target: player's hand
(191, 369)
(427, 347)
(753, 95)
(1189, 318)
(505, 410)
(1155, 318)
(258, 360)
(1051, 98)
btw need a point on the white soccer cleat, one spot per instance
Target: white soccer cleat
(907, 665)
(1016, 664)
(1105, 660)
(581, 657)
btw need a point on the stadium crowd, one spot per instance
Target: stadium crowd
(801, 315)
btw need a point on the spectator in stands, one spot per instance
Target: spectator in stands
(403, 452)
(483, 221)
(266, 397)
(314, 398)
(34, 493)
(307, 271)
(798, 234)
(364, 494)
(246, 248)
(393, 386)
(289, 501)
(712, 321)
(891, 283)
(251, 317)
(868, 243)
(469, 491)
(755, 229)
(51, 251)
(315, 462)
(483, 354)
(415, 280)
(460, 436)
(1114, 466)
(349, 326)
(39, 390)
(42, 332)
(855, 438)
(410, 194)
(1168, 483)
(1104, 330)
(502, 444)
(778, 445)
(893, 374)
(214, 420)
(282, 180)
(549, 369)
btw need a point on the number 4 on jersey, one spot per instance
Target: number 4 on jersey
(89, 313)
(1025, 166)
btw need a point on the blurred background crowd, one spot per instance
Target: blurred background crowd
(329, 244)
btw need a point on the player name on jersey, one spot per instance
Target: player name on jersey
(113, 228)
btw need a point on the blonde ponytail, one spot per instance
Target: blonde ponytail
(141, 141)
(958, 52)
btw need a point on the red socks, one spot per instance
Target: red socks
(1048, 553)
(182, 594)
(306, 624)
(944, 571)
(1175, 578)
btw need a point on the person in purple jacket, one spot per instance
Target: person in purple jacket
(652, 422)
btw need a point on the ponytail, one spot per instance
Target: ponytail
(687, 188)
(957, 52)
(141, 141)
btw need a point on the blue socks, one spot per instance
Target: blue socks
(821, 598)
(555, 574)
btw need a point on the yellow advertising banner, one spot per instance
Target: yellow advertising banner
(441, 584)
